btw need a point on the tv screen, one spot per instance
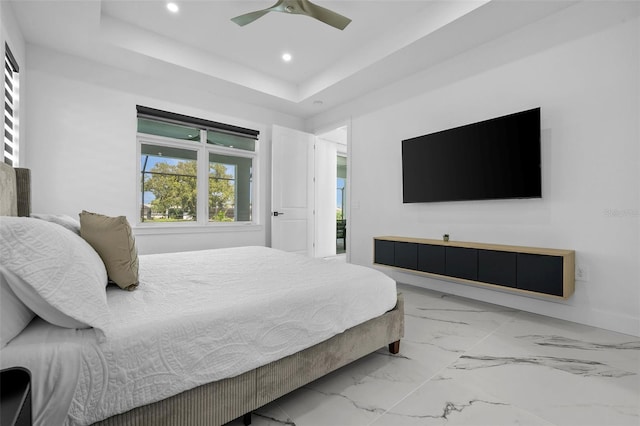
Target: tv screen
(493, 159)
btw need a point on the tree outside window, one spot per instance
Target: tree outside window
(169, 184)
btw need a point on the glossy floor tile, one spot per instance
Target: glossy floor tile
(464, 362)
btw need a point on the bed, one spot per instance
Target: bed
(208, 363)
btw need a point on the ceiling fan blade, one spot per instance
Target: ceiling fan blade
(327, 16)
(248, 18)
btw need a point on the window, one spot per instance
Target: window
(194, 170)
(230, 188)
(10, 151)
(169, 184)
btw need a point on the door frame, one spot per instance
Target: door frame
(326, 129)
(319, 131)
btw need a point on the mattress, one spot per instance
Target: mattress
(196, 317)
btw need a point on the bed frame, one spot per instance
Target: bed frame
(220, 402)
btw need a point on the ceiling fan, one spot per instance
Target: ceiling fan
(297, 7)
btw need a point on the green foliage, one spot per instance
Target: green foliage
(221, 193)
(175, 191)
(174, 188)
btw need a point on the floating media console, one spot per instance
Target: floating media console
(527, 270)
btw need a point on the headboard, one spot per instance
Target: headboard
(15, 191)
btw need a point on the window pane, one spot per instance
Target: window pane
(168, 130)
(230, 188)
(231, 141)
(169, 184)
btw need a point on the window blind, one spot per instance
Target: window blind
(171, 117)
(11, 69)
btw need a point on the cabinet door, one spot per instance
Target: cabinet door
(497, 267)
(431, 258)
(461, 262)
(406, 255)
(384, 252)
(540, 273)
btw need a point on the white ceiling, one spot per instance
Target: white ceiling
(387, 41)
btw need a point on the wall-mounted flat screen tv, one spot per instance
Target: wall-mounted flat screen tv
(493, 159)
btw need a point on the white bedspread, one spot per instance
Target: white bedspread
(196, 317)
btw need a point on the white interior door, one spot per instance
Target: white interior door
(292, 198)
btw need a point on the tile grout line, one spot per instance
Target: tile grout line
(517, 313)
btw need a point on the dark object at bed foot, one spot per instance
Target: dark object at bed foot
(15, 398)
(246, 419)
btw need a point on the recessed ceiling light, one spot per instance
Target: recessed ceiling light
(173, 7)
(287, 57)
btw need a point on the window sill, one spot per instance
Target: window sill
(194, 228)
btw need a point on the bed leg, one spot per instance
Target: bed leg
(394, 347)
(246, 419)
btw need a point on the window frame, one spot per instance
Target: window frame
(202, 149)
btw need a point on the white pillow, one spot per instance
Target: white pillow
(61, 219)
(14, 315)
(54, 272)
(26, 294)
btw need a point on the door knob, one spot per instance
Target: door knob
(278, 213)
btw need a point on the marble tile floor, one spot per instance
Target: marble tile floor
(464, 362)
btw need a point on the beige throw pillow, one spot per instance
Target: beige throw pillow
(112, 238)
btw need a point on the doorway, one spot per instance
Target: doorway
(309, 192)
(336, 167)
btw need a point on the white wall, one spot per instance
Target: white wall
(588, 89)
(82, 142)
